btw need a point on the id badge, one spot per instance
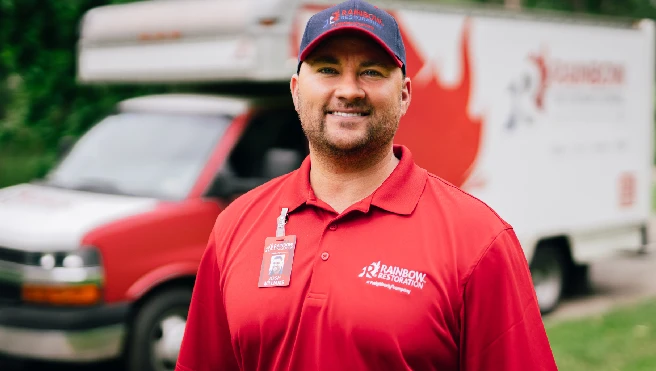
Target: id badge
(276, 270)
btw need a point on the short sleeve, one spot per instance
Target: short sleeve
(206, 343)
(501, 324)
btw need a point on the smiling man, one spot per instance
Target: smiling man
(387, 267)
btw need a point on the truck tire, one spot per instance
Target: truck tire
(549, 273)
(157, 330)
(578, 282)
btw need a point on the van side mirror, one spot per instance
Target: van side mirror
(280, 161)
(276, 162)
(228, 186)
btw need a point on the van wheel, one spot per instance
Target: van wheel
(548, 271)
(157, 331)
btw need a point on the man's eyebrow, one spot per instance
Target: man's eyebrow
(374, 63)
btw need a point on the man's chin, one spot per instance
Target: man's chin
(347, 144)
(346, 149)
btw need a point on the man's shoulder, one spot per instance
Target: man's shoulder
(460, 204)
(472, 225)
(455, 197)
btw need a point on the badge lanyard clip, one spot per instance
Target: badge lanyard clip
(282, 220)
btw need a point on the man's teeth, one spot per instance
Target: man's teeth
(348, 114)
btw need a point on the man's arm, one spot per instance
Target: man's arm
(501, 324)
(206, 343)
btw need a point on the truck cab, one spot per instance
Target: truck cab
(98, 259)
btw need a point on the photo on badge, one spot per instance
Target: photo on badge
(277, 264)
(277, 261)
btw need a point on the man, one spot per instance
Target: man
(388, 267)
(276, 265)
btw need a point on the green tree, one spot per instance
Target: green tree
(41, 99)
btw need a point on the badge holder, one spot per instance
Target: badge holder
(278, 256)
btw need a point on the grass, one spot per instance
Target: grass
(621, 340)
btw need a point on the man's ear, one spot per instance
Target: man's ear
(406, 95)
(293, 86)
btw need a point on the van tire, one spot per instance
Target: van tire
(549, 270)
(578, 283)
(169, 306)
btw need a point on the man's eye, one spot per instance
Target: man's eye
(372, 73)
(327, 70)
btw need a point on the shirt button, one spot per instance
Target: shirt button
(333, 227)
(324, 256)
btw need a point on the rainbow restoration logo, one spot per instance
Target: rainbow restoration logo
(388, 275)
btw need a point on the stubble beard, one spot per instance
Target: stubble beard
(380, 132)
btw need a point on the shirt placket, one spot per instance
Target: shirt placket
(320, 284)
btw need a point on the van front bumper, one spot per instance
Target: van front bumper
(63, 334)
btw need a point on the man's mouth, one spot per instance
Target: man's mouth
(348, 114)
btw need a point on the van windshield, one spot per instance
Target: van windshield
(141, 154)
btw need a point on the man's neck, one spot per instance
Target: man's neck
(341, 184)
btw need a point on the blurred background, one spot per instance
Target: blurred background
(40, 101)
(608, 322)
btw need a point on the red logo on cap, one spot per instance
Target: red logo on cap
(334, 17)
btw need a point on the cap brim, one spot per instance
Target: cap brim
(331, 32)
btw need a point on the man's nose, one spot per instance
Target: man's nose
(349, 88)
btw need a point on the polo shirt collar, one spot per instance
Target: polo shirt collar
(398, 194)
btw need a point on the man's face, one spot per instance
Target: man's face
(350, 96)
(276, 265)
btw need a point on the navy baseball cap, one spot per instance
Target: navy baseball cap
(355, 15)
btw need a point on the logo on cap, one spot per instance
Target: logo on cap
(334, 18)
(354, 15)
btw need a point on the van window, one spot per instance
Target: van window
(273, 144)
(141, 154)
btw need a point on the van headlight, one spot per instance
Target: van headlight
(64, 278)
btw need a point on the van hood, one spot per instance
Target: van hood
(41, 218)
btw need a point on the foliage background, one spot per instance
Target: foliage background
(40, 101)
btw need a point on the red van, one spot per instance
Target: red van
(98, 259)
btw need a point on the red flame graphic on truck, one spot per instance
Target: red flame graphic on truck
(448, 141)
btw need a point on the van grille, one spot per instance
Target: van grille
(18, 256)
(14, 256)
(10, 293)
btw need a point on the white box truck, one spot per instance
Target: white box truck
(547, 118)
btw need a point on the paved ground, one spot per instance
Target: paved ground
(621, 280)
(618, 281)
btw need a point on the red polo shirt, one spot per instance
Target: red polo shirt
(417, 276)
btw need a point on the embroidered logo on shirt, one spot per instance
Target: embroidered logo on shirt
(388, 275)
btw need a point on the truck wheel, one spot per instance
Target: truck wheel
(578, 282)
(157, 331)
(548, 270)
